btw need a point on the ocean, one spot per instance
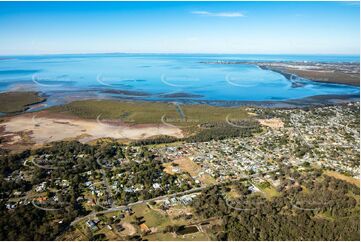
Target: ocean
(162, 77)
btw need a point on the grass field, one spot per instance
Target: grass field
(152, 218)
(12, 102)
(270, 192)
(150, 112)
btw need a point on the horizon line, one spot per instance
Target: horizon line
(178, 53)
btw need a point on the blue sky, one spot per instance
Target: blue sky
(180, 27)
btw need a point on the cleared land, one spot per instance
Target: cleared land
(185, 164)
(272, 123)
(12, 102)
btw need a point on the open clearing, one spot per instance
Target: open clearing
(152, 218)
(185, 164)
(272, 123)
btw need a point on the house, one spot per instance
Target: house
(41, 187)
(173, 200)
(166, 203)
(130, 190)
(252, 188)
(175, 169)
(65, 183)
(156, 186)
(186, 199)
(10, 206)
(17, 193)
(91, 225)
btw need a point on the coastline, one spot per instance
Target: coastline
(311, 101)
(289, 76)
(344, 73)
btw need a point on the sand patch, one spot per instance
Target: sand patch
(48, 129)
(128, 229)
(272, 123)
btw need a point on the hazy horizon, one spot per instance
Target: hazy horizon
(180, 53)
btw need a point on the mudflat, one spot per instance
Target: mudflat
(43, 128)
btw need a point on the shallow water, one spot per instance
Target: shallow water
(161, 77)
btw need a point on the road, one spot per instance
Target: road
(180, 111)
(194, 190)
(118, 208)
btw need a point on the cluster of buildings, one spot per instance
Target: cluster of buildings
(326, 136)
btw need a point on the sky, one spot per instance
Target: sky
(28, 28)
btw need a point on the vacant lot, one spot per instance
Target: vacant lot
(272, 123)
(152, 218)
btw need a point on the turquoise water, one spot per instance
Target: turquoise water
(162, 77)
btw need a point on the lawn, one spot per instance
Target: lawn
(270, 192)
(152, 218)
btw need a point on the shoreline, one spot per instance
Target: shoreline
(343, 73)
(306, 102)
(288, 76)
(311, 101)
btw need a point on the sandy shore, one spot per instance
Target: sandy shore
(43, 128)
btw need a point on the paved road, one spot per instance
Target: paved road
(118, 208)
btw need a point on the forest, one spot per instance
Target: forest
(328, 210)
